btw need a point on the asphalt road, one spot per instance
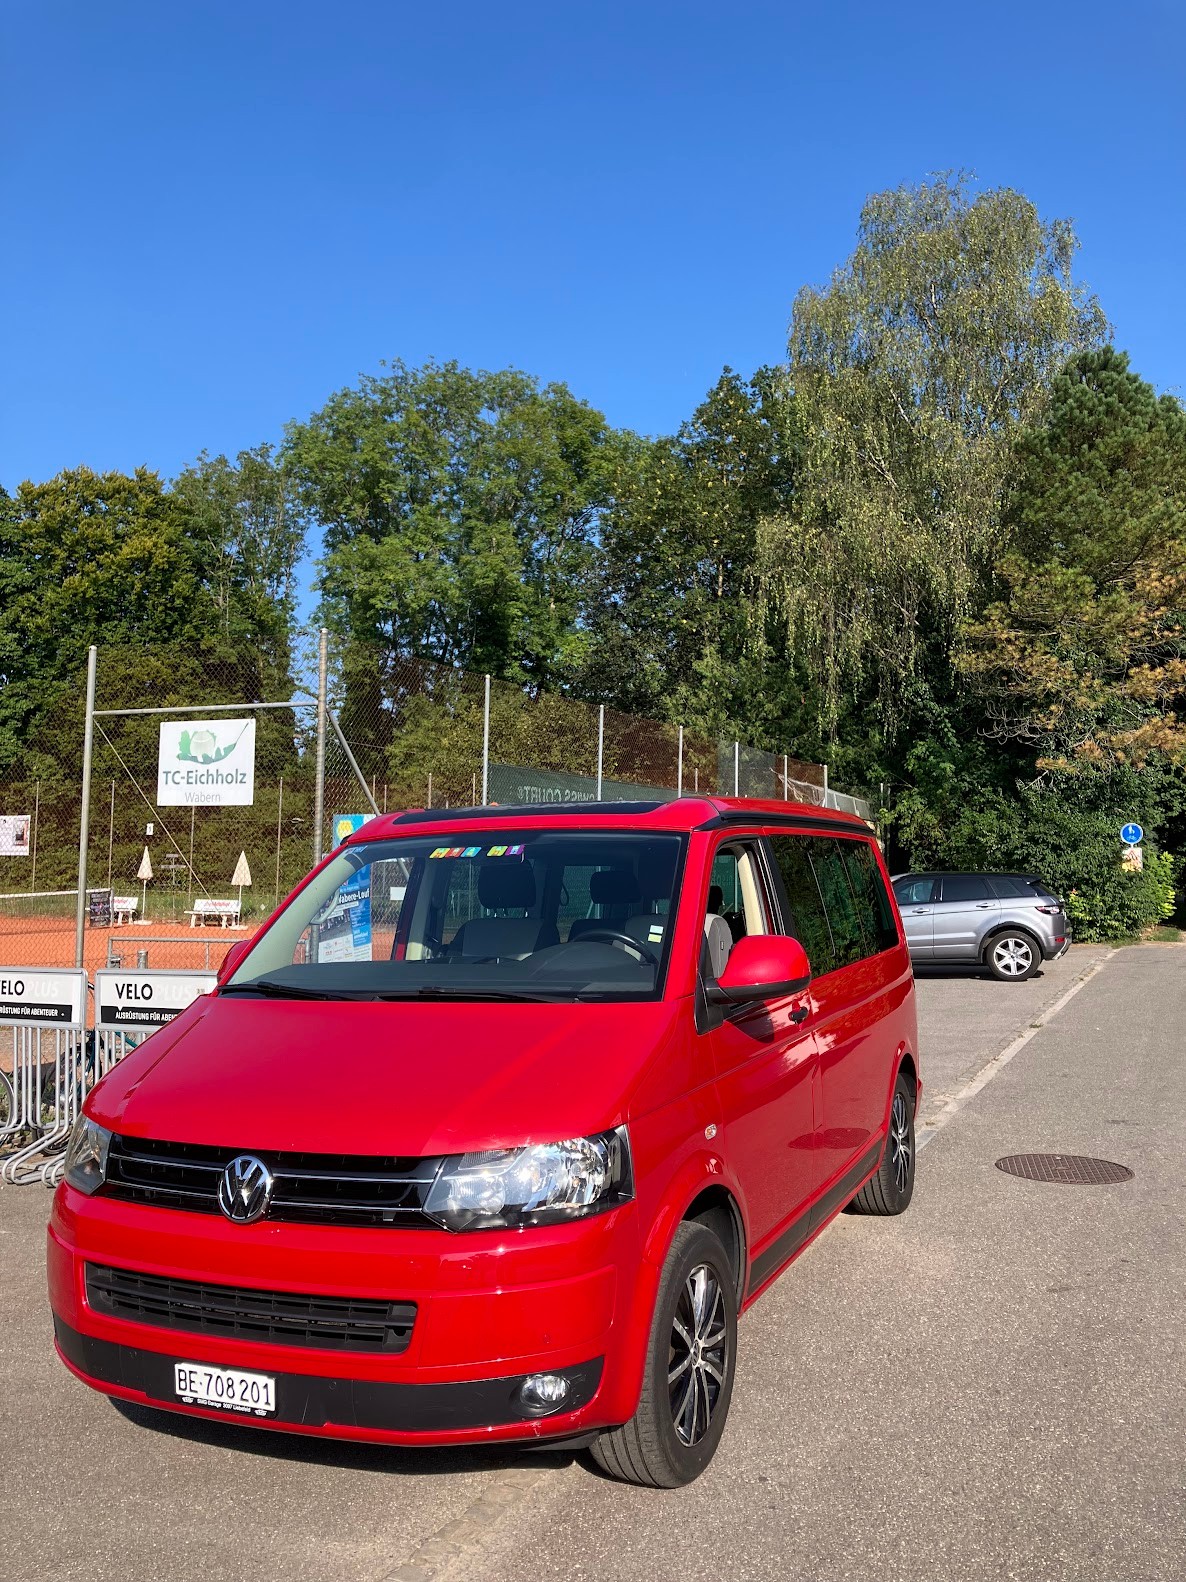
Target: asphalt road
(989, 1387)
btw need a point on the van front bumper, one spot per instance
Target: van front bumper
(492, 1309)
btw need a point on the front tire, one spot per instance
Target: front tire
(1012, 957)
(688, 1382)
(890, 1190)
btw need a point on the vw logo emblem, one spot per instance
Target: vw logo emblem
(245, 1189)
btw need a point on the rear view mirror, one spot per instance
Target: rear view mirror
(232, 959)
(761, 967)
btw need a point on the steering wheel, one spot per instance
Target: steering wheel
(618, 936)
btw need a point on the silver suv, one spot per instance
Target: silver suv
(1007, 922)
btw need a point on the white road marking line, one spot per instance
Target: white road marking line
(935, 1124)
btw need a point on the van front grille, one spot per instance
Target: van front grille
(310, 1189)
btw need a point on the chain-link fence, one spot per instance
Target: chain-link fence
(173, 886)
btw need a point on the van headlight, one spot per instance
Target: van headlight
(541, 1184)
(86, 1155)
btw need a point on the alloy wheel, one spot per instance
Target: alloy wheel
(697, 1355)
(1012, 956)
(901, 1148)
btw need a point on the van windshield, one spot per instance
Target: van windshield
(516, 914)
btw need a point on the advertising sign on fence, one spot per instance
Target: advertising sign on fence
(511, 783)
(141, 1001)
(206, 763)
(42, 997)
(14, 834)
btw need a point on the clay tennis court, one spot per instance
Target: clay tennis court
(49, 942)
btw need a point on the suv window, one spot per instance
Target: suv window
(964, 887)
(1006, 887)
(914, 892)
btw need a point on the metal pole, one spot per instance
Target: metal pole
(736, 768)
(486, 746)
(33, 844)
(786, 780)
(825, 785)
(427, 804)
(600, 746)
(319, 768)
(84, 812)
(279, 816)
(110, 833)
(680, 780)
(189, 887)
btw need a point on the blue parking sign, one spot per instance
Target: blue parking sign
(1132, 834)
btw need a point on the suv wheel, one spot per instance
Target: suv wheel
(890, 1190)
(689, 1373)
(1012, 957)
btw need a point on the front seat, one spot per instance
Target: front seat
(608, 887)
(501, 887)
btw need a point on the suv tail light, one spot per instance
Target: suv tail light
(1053, 911)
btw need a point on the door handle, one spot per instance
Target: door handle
(983, 906)
(801, 1014)
(920, 911)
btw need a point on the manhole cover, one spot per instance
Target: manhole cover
(1064, 1169)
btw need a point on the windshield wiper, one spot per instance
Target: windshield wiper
(287, 991)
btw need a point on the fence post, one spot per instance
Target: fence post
(786, 780)
(825, 769)
(84, 812)
(600, 746)
(486, 745)
(680, 781)
(736, 768)
(319, 785)
(279, 826)
(33, 848)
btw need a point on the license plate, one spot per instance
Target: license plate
(226, 1388)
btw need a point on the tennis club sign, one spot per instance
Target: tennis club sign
(206, 763)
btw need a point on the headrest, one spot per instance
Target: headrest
(656, 871)
(718, 942)
(502, 884)
(613, 886)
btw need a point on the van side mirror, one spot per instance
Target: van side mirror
(232, 959)
(761, 967)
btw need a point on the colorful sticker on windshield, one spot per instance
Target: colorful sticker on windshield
(472, 851)
(505, 851)
(441, 851)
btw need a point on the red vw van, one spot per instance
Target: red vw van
(494, 1128)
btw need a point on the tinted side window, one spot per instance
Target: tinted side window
(964, 887)
(1006, 888)
(852, 933)
(914, 892)
(809, 920)
(868, 886)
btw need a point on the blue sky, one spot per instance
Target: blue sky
(216, 214)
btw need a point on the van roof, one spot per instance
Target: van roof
(679, 814)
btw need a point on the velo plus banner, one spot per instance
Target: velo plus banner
(206, 763)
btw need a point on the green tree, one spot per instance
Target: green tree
(912, 372)
(672, 621)
(242, 521)
(85, 558)
(459, 512)
(1082, 656)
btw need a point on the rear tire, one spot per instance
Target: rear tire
(688, 1382)
(1013, 956)
(890, 1190)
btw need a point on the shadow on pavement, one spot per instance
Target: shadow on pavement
(398, 1460)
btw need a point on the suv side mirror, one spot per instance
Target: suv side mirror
(761, 967)
(232, 959)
